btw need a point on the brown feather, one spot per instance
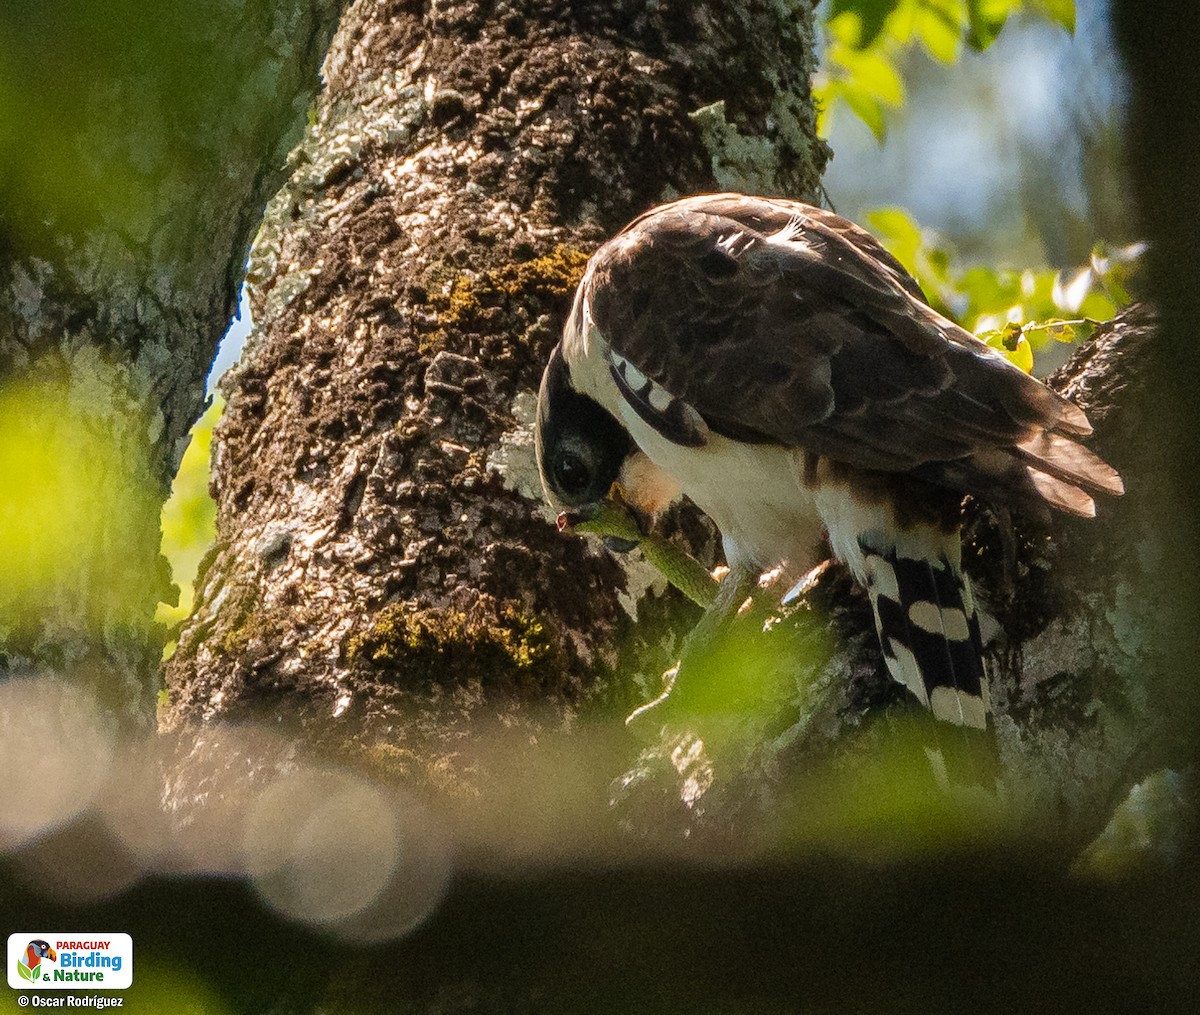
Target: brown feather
(1062, 457)
(783, 323)
(1062, 495)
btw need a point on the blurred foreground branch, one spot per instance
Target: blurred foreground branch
(138, 145)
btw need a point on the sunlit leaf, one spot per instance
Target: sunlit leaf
(1012, 342)
(76, 490)
(985, 287)
(870, 16)
(884, 29)
(1018, 312)
(875, 74)
(1061, 12)
(987, 18)
(939, 26)
(899, 233)
(1098, 307)
(823, 93)
(843, 29)
(867, 108)
(895, 224)
(189, 516)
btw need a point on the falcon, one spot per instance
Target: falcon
(773, 362)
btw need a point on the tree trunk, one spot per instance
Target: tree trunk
(1163, 155)
(138, 145)
(383, 575)
(830, 929)
(381, 555)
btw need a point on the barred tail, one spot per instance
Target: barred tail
(929, 631)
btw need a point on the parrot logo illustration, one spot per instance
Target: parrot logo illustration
(35, 951)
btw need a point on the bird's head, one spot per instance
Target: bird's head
(582, 451)
(580, 446)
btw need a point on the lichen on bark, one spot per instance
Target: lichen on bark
(136, 153)
(407, 285)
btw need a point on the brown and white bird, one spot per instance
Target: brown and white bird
(773, 362)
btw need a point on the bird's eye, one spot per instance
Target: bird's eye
(572, 475)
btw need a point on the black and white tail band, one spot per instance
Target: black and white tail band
(929, 632)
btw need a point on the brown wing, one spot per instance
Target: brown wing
(781, 322)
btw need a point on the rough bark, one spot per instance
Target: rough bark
(381, 556)
(383, 576)
(990, 928)
(1163, 155)
(140, 143)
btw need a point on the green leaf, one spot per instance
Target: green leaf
(939, 25)
(189, 517)
(1098, 307)
(986, 18)
(824, 92)
(1011, 341)
(866, 38)
(25, 971)
(939, 262)
(867, 108)
(870, 15)
(895, 225)
(1017, 312)
(875, 73)
(1061, 12)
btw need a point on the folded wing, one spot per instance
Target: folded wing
(782, 323)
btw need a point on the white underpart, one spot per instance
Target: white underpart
(753, 492)
(849, 520)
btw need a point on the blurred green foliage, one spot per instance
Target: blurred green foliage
(165, 989)
(112, 112)
(63, 154)
(888, 806)
(73, 493)
(189, 517)
(1017, 312)
(864, 40)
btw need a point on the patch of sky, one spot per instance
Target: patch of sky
(232, 343)
(982, 144)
